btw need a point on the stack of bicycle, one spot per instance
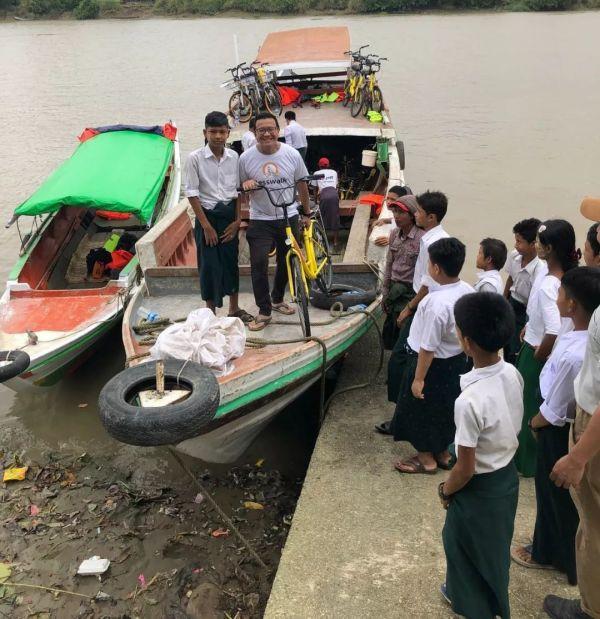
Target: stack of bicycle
(361, 88)
(255, 90)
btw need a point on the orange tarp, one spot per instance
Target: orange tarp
(305, 45)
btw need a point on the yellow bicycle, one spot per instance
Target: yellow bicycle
(309, 263)
(353, 74)
(368, 94)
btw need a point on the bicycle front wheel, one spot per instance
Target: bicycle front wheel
(300, 293)
(357, 103)
(347, 95)
(272, 100)
(240, 106)
(377, 99)
(321, 245)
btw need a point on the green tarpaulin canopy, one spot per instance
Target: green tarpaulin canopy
(119, 171)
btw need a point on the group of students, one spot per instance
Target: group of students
(494, 379)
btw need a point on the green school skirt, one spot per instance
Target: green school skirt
(400, 294)
(398, 361)
(477, 535)
(530, 369)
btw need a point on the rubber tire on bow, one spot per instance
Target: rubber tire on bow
(340, 293)
(163, 425)
(241, 97)
(357, 103)
(401, 154)
(301, 295)
(20, 362)
(325, 277)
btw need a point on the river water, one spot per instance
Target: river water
(500, 111)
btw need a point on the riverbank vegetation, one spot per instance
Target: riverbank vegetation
(91, 9)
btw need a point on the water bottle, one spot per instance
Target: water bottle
(147, 315)
(357, 308)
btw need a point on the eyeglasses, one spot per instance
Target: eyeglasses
(265, 130)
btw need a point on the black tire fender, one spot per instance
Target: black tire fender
(161, 425)
(340, 293)
(401, 154)
(18, 362)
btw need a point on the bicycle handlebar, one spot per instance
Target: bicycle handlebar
(261, 185)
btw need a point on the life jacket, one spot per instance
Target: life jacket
(112, 215)
(120, 258)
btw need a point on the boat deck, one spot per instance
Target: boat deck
(330, 119)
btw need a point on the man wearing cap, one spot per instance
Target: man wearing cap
(328, 199)
(579, 470)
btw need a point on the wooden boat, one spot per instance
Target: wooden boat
(266, 377)
(51, 312)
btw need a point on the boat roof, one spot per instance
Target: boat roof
(306, 48)
(118, 168)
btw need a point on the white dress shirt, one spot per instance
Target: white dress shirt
(248, 140)
(488, 415)
(295, 135)
(489, 281)
(587, 383)
(210, 179)
(433, 327)
(558, 376)
(421, 277)
(543, 316)
(523, 277)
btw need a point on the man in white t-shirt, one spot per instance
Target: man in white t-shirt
(294, 134)
(249, 139)
(280, 168)
(328, 199)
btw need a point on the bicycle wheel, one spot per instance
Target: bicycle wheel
(272, 100)
(300, 293)
(347, 95)
(377, 99)
(321, 244)
(240, 106)
(357, 103)
(367, 102)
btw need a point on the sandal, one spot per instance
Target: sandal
(258, 324)
(522, 556)
(243, 315)
(413, 466)
(283, 308)
(445, 466)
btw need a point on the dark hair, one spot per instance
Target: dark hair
(216, 119)
(264, 116)
(527, 228)
(592, 239)
(252, 123)
(560, 234)
(434, 203)
(486, 318)
(449, 255)
(582, 284)
(289, 115)
(496, 250)
(400, 191)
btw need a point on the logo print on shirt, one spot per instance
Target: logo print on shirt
(270, 169)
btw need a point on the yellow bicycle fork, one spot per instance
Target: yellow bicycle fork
(308, 260)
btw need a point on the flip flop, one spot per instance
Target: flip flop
(283, 308)
(258, 325)
(530, 563)
(243, 315)
(415, 464)
(445, 466)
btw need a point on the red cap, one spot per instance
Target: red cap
(399, 205)
(323, 162)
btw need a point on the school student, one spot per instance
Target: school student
(490, 259)
(481, 492)
(579, 471)
(556, 245)
(211, 187)
(432, 207)
(523, 267)
(431, 377)
(557, 520)
(591, 251)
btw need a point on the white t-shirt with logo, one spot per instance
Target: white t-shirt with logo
(278, 172)
(330, 179)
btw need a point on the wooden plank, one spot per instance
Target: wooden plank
(357, 240)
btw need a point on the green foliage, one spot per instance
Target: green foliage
(8, 5)
(550, 5)
(87, 9)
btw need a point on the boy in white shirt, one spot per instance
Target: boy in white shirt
(556, 522)
(490, 259)
(435, 361)
(482, 491)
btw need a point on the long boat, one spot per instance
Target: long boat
(270, 373)
(121, 179)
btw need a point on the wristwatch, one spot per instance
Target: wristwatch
(444, 497)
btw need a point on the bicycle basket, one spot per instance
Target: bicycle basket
(356, 66)
(262, 75)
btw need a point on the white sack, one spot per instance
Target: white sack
(205, 339)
